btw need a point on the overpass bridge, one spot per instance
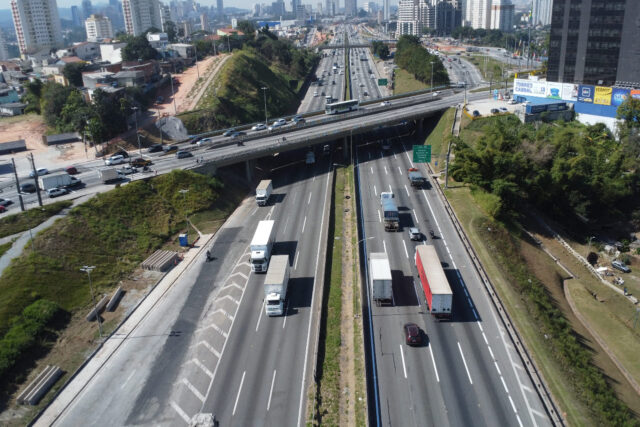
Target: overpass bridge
(343, 46)
(327, 129)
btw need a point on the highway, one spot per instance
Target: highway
(468, 372)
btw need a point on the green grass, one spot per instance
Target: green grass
(493, 67)
(114, 231)
(327, 411)
(5, 247)
(30, 218)
(439, 139)
(404, 82)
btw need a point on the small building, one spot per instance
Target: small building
(52, 69)
(231, 32)
(111, 52)
(98, 79)
(8, 95)
(62, 138)
(158, 40)
(13, 147)
(183, 50)
(130, 78)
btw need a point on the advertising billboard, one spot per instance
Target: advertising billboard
(554, 90)
(529, 87)
(634, 93)
(602, 95)
(585, 93)
(569, 92)
(618, 96)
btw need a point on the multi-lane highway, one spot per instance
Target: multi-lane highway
(467, 373)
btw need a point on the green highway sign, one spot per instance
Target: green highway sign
(421, 154)
(382, 82)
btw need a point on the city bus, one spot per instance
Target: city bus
(342, 107)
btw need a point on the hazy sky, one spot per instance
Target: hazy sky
(244, 4)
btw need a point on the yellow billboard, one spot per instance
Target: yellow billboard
(602, 95)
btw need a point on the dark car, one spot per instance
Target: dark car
(476, 113)
(412, 334)
(183, 154)
(5, 202)
(170, 148)
(71, 170)
(27, 188)
(238, 134)
(140, 162)
(494, 111)
(228, 132)
(299, 120)
(122, 153)
(155, 148)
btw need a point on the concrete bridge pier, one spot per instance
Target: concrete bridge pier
(346, 155)
(249, 166)
(420, 125)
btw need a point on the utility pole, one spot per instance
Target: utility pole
(135, 116)
(35, 179)
(88, 269)
(264, 94)
(432, 75)
(15, 174)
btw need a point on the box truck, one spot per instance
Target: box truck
(380, 278)
(261, 246)
(276, 284)
(391, 216)
(263, 192)
(434, 282)
(109, 174)
(58, 180)
(416, 178)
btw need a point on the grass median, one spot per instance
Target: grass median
(28, 219)
(404, 82)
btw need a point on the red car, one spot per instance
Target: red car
(2, 209)
(412, 334)
(71, 170)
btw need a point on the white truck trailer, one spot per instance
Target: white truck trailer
(261, 246)
(263, 192)
(109, 175)
(58, 180)
(276, 284)
(434, 282)
(380, 277)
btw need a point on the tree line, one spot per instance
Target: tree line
(412, 57)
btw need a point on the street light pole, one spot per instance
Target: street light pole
(88, 269)
(135, 116)
(432, 75)
(264, 94)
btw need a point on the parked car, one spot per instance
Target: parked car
(114, 160)
(140, 162)
(40, 172)
(183, 154)
(494, 111)
(476, 113)
(620, 266)
(412, 334)
(5, 202)
(512, 101)
(2, 209)
(503, 109)
(55, 192)
(259, 126)
(170, 148)
(71, 170)
(27, 188)
(155, 148)
(414, 233)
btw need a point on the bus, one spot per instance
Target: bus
(342, 107)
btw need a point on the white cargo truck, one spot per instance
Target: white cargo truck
(109, 174)
(261, 246)
(263, 192)
(275, 285)
(58, 180)
(380, 277)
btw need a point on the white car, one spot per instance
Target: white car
(55, 192)
(512, 101)
(385, 103)
(259, 126)
(114, 160)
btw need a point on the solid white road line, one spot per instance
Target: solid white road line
(465, 363)
(304, 223)
(238, 396)
(295, 264)
(404, 367)
(405, 249)
(371, 170)
(434, 364)
(271, 390)
(260, 315)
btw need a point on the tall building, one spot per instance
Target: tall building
(4, 50)
(294, 6)
(502, 15)
(387, 12)
(350, 7)
(98, 27)
(76, 17)
(446, 16)
(329, 8)
(414, 16)
(165, 16)
(204, 22)
(541, 12)
(300, 12)
(277, 8)
(87, 8)
(595, 42)
(37, 24)
(219, 8)
(478, 14)
(140, 15)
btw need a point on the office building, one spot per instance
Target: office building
(277, 8)
(294, 6)
(446, 17)
(98, 27)
(37, 25)
(300, 12)
(329, 8)
(595, 42)
(219, 8)
(502, 15)
(165, 16)
(350, 7)
(76, 17)
(541, 12)
(204, 22)
(414, 16)
(87, 9)
(4, 50)
(387, 12)
(478, 14)
(140, 15)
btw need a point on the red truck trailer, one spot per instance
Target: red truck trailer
(434, 282)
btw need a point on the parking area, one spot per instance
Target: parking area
(484, 107)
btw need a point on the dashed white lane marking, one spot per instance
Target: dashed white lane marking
(127, 380)
(415, 216)
(465, 363)
(504, 384)
(390, 190)
(379, 216)
(238, 396)
(407, 190)
(375, 191)
(309, 201)
(433, 360)
(193, 389)
(385, 246)
(497, 368)
(304, 223)
(485, 339)
(399, 170)
(404, 367)
(273, 381)
(512, 405)
(295, 264)
(260, 315)
(183, 415)
(253, 211)
(385, 171)
(371, 170)
(405, 249)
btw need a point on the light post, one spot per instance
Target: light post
(135, 116)
(432, 75)
(88, 269)
(264, 95)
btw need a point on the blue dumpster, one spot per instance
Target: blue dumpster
(184, 239)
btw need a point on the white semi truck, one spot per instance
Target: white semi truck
(263, 192)
(261, 246)
(380, 277)
(434, 281)
(276, 284)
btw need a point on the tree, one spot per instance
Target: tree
(74, 113)
(138, 47)
(32, 96)
(73, 72)
(247, 28)
(629, 112)
(54, 96)
(170, 29)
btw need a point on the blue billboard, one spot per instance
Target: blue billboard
(618, 96)
(585, 93)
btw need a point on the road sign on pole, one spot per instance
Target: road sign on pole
(382, 82)
(421, 154)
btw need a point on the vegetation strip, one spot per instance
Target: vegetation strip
(28, 219)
